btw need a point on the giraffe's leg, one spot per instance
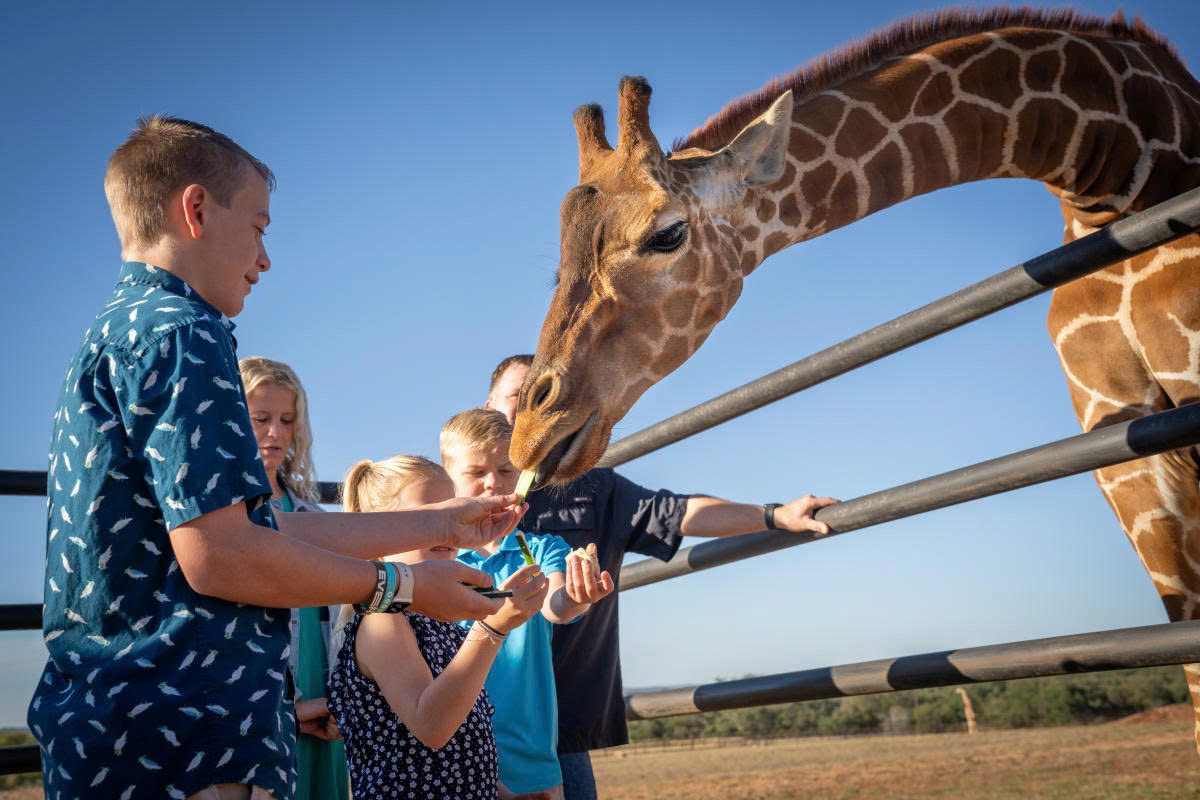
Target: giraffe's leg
(1157, 501)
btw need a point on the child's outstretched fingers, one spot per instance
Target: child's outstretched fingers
(441, 590)
(585, 583)
(528, 586)
(471, 522)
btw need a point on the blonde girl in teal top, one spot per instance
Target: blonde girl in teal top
(279, 414)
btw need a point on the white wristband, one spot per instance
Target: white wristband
(404, 587)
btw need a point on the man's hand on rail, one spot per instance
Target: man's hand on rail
(797, 516)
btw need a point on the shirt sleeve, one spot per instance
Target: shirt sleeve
(185, 413)
(654, 517)
(554, 550)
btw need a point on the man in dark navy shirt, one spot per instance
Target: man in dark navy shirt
(621, 517)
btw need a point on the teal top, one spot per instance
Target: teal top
(521, 681)
(323, 772)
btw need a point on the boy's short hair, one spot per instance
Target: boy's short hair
(524, 359)
(475, 427)
(162, 156)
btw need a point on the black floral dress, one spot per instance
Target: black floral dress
(386, 761)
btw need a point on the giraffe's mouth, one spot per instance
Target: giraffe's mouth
(557, 466)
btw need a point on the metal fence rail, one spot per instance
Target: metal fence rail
(1155, 226)
(1158, 433)
(33, 483)
(1125, 648)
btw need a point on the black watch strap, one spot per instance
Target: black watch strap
(769, 515)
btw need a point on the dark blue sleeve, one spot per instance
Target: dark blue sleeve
(654, 517)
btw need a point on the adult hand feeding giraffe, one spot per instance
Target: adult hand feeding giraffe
(654, 247)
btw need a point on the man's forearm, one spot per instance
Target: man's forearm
(363, 535)
(714, 517)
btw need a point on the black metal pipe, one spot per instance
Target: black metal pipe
(1127, 237)
(1125, 648)
(331, 493)
(22, 482)
(21, 617)
(33, 483)
(23, 758)
(1157, 433)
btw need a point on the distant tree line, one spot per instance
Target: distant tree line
(1031, 702)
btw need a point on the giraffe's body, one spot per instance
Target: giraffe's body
(1103, 113)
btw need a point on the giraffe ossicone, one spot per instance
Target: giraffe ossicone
(655, 246)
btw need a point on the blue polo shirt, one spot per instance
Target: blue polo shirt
(521, 680)
(151, 689)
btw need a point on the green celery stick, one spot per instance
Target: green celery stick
(524, 548)
(525, 483)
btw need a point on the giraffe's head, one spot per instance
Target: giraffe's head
(653, 252)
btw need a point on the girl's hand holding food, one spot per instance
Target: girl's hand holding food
(528, 586)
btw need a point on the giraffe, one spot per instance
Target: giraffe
(655, 246)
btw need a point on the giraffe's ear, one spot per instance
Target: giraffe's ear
(759, 152)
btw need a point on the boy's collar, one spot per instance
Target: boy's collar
(137, 272)
(509, 542)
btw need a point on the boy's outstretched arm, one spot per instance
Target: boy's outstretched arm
(465, 522)
(224, 555)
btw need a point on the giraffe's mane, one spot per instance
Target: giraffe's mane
(900, 38)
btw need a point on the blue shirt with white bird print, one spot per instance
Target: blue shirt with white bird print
(152, 689)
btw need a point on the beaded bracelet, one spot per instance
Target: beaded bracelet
(491, 634)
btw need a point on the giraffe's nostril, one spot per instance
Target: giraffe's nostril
(544, 390)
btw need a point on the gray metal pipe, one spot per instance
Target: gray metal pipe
(1125, 648)
(1158, 225)
(1158, 433)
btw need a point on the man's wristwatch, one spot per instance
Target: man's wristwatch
(769, 515)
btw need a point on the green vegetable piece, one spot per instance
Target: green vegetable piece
(525, 483)
(525, 551)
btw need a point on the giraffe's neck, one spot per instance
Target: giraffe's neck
(1111, 126)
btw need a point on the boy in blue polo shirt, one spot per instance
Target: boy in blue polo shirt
(167, 583)
(474, 447)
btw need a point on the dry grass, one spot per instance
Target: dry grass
(1150, 761)
(1153, 761)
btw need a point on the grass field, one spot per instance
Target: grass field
(1151, 761)
(1148, 761)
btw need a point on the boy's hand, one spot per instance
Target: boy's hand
(529, 586)
(472, 522)
(797, 515)
(438, 591)
(585, 583)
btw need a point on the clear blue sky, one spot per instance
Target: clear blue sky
(422, 152)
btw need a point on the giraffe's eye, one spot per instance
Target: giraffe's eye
(669, 239)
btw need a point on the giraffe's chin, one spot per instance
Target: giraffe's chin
(566, 460)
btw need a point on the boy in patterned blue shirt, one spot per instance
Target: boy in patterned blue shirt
(167, 583)
(520, 683)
